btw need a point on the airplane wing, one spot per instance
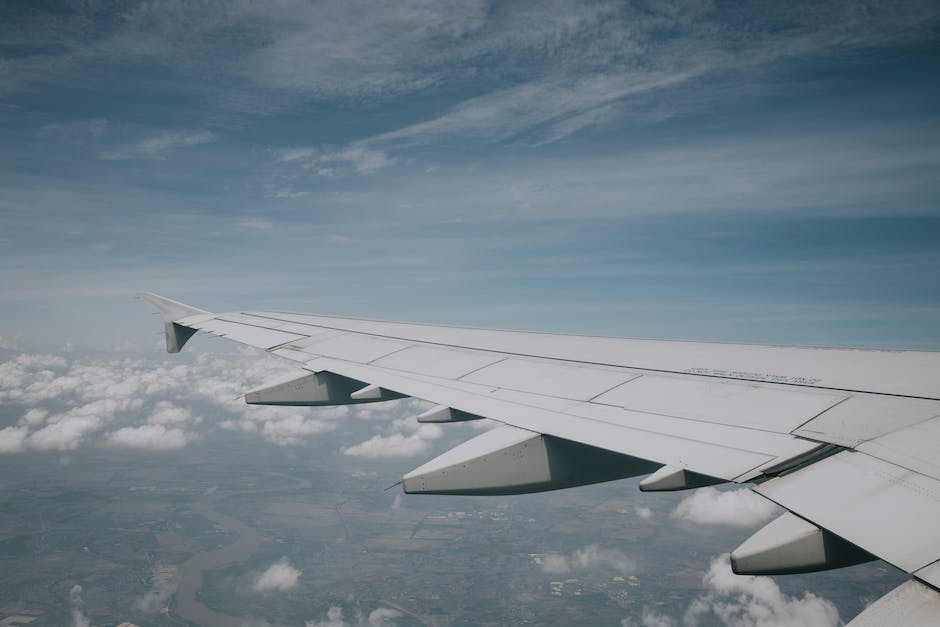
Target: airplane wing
(848, 441)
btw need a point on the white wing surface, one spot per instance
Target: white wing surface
(848, 441)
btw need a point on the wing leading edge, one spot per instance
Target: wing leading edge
(845, 440)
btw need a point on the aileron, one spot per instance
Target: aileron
(890, 511)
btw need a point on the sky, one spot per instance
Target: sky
(757, 172)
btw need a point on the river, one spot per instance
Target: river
(188, 605)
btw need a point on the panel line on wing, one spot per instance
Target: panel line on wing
(707, 457)
(858, 497)
(476, 370)
(594, 398)
(693, 372)
(398, 350)
(830, 408)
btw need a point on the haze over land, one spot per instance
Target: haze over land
(753, 172)
(247, 515)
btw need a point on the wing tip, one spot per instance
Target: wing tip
(172, 310)
(176, 334)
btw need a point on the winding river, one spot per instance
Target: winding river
(188, 605)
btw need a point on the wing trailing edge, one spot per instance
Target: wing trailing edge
(911, 604)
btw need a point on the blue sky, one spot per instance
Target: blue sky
(763, 172)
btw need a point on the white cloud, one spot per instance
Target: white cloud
(146, 403)
(124, 401)
(569, 125)
(156, 437)
(160, 143)
(167, 413)
(650, 618)
(592, 557)
(65, 433)
(163, 584)
(745, 601)
(398, 444)
(380, 617)
(379, 412)
(361, 158)
(358, 158)
(258, 224)
(572, 86)
(383, 617)
(644, 512)
(555, 109)
(174, 139)
(710, 506)
(484, 424)
(395, 445)
(295, 154)
(13, 439)
(352, 49)
(35, 416)
(79, 619)
(293, 429)
(569, 106)
(287, 193)
(334, 618)
(281, 575)
(29, 378)
(283, 425)
(68, 430)
(271, 54)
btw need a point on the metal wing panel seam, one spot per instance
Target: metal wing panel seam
(551, 422)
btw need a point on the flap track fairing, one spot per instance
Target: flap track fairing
(509, 460)
(374, 393)
(790, 545)
(670, 478)
(316, 389)
(441, 413)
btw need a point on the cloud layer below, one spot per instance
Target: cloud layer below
(70, 401)
(745, 601)
(280, 575)
(739, 507)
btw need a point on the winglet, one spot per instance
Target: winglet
(176, 334)
(171, 309)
